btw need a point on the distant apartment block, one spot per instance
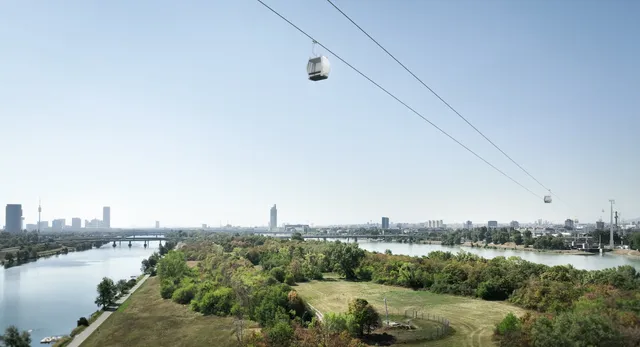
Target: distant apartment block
(469, 225)
(13, 218)
(568, 224)
(514, 224)
(43, 225)
(32, 227)
(385, 222)
(106, 217)
(492, 224)
(58, 224)
(94, 223)
(76, 223)
(157, 224)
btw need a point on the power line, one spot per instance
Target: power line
(397, 99)
(439, 97)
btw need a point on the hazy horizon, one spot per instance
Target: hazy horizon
(201, 112)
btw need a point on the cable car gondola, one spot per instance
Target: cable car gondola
(547, 198)
(318, 67)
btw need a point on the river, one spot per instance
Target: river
(584, 262)
(49, 295)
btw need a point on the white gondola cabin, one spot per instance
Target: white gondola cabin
(318, 68)
(547, 199)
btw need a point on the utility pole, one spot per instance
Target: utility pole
(386, 310)
(611, 225)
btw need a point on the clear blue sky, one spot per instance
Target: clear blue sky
(192, 112)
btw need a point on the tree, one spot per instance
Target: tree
(296, 237)
(365, 317)
(517, 238)
(122, 286)
(8, 257)
(107, 292)
(173, 267)
(635, 241)
(347, 258)
(13, 338)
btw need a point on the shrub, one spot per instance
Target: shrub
(278, 273)
(184, 295)
(288, 279)
(83, 322)
(166, 289)
(509, 324)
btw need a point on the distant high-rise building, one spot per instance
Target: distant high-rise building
(492, 224)
(469, 225)
(568, 224)
(76, 223)
(514, 224)
(58, 224)
(273, 220)
(43, 224)
(440, 224)
(385, 222)
(31, 227)
(13, 218)
(157, 224)
(106, 217)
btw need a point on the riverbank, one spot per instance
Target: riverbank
(79, 339)
(627, 252)
(513, 247)
(149, 320)
(62, 288)
(34, 256)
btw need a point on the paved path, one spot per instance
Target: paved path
(79, 339)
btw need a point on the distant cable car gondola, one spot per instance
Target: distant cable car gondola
(547, 198)
(318, 67)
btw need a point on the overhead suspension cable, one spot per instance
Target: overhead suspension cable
(439, 97)
(397, 99)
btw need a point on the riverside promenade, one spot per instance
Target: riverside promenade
(80, 338)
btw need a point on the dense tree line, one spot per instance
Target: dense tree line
(22, 247)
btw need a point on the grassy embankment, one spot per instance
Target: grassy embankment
(147, 320)
(472, 320)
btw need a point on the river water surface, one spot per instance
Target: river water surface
(584, 262)
(49, 295)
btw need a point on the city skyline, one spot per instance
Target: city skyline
(169, 129)
(273, 218)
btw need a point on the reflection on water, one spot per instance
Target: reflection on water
(49, 295)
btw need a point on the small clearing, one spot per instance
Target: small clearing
(472, 320)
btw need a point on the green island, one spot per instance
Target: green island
(232, 290)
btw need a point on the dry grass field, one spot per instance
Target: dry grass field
(148, 320)
(472, 320)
